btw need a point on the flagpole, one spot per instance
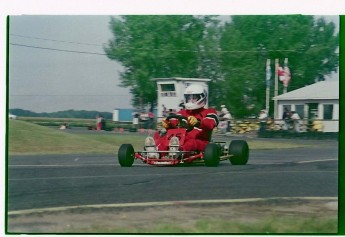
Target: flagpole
(268, 77)
(276, 88)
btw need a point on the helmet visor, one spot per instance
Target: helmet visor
(192, 98)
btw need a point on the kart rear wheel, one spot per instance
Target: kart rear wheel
(126, 155)
(212, 155)
(239, 150)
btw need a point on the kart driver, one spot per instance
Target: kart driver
(201, 119)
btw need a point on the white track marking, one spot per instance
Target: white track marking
(312, 161)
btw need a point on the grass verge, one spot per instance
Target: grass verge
(28, 138)
(272, 225)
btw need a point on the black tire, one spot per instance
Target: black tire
(212, 155)
(126, 155)
(240, 151)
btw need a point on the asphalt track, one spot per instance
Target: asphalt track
(55, 181)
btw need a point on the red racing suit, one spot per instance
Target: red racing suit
(199, 137)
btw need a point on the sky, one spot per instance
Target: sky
(81, 77)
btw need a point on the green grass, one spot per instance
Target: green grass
(29, 138)
(269, 225)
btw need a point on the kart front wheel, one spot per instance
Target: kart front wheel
(239, 150)
(126, 155)
(212, 155)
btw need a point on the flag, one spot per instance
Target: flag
(284, 73)
(287, 75)
(281, 73)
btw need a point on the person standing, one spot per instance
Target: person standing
(287, 119)
(223, 110)
(225, 120)
(135, 120)
(102, 122)
(295, 118)
(98, 123)
(227, 117)
(164, 111)
(263, 116)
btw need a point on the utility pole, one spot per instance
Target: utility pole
(268, 78)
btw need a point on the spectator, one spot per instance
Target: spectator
(225, 121)
(98, 123)
(295, 118)
(287, 119)
(222, 111)
(263, 120)
(102, 123)
(227, 117)
(164, 111)
(135, 121)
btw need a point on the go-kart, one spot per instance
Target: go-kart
(237, 151)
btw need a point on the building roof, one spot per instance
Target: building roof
(181, 79)
(320, 90)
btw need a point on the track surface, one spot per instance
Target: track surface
(73, 180)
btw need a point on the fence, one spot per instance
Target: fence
(241, 126)
(252, 126)
(237, 126)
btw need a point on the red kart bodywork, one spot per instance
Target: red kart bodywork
(237, 152)
(165, 159)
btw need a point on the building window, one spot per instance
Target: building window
(167, 87)
(168, 90)
(300, 110)
(328, 111)
(288, 107)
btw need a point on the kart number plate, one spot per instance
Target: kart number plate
(163, 163)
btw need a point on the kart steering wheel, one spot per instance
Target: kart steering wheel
(180, 118)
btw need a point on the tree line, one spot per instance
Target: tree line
(83, 114)
(232, 53)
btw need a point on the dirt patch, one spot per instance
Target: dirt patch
(92, 220)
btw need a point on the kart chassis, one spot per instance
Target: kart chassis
(237, 151)
(175, 159)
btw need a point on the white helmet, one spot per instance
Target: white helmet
(195, 97)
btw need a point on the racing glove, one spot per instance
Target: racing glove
(165, 124)
(193, 121)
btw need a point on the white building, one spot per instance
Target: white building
(319, 101)
(170, 91)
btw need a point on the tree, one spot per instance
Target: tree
(233, 55)
(155, 47)
(247, 41)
